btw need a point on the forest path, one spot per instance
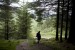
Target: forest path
(26, 46)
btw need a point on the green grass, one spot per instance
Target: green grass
(9, 44)
(56, 45)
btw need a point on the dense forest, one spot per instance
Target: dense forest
(19, 21)
(22, 19)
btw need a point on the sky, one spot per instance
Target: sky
(26, 0)
(20, 3)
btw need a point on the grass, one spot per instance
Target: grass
(56, 45)
(9, 44)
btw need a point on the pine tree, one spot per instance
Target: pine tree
(24, 22)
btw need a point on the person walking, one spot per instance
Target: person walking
(38, 35)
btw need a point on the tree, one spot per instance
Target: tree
(67, 16)
(6, 16)
(62, 21)
(72, 26)
(57, 21)
(14, 1)
(64, 13)
(24, 22)
(41, 10)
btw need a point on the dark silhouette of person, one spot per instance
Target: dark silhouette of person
(38, 35)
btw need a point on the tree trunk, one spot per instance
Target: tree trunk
(7, 12)
(66, 31)
(62, 22)
(72, 26)
(57, 22)
(6, 30)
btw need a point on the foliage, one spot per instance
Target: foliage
(6, 16)
(47, 27)
(40, 8)
(8, 45)
(24, 22)
(14, 1)
(15, 24)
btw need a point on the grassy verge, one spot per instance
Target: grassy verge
(9, 44)
(56, 45)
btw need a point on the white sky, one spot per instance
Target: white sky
(20, 3)
(26, 0)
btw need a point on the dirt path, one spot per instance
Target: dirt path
(40, 47)
(25, 46)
